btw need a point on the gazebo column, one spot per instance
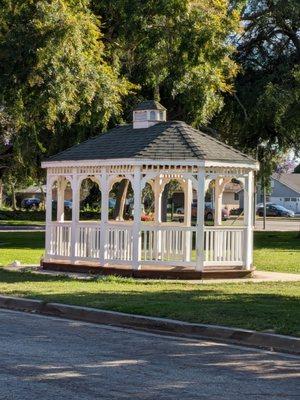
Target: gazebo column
(158, 189)
(219, 188)
(201, 188)
(248, 219)
(188, 199)
(48, 214)
(75, 216)
(104, 215)
(61, 186)
(136, 232)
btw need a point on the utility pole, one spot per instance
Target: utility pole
(265, 205)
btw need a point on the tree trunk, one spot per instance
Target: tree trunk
(1, 193)
(164, 203)
(121, 199)
(43, 196)
(13, 198)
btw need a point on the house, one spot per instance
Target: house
(230, 196)
(285, 191)
(35, 192)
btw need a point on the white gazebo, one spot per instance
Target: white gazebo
(155, 151)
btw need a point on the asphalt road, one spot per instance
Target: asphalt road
(48, 358)
(278, 224)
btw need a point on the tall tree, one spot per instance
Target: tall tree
(55, 82)
(175, 50)
(263, 114)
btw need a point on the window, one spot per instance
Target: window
(236, 196)
(161, 115)
(152, 115)
(293, 199)
(140, 115)
(287, 199)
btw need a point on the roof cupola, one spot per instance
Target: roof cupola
(148, 113)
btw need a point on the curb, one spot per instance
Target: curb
(273, 342)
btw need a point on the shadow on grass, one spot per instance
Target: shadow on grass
(249, 306)
(277, 240)
(22, 240)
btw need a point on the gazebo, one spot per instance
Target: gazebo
(151, 151)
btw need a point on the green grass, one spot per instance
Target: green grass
(273, 251)
(27, 247)
(277, 251)
(260, 306)
(12, 222)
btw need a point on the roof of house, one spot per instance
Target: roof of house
(32, 189)
(233, 187)
(292, 181)
(149, 105)
(170, 140)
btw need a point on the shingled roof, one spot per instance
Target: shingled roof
(149, 105)
(171, 140)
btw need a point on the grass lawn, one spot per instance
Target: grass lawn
(261, 306)
(277, 251)
(27, 247)
(273, 251)
(12, 222)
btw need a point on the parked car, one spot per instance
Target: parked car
(30, 203)
(260, 205)
(274, 210)
(209, 212)
(67, 204)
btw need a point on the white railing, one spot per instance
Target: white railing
(167, 244)
(223, 245)
(59, 239)
(119, 242)
(159, 245)
(88, 241)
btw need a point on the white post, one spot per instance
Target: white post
(188, 199)
(60, 203)
(157, 200)
(136, 232)
(200, 219)
(248, 220)
(219, 187)
(104, 215)
(48, 215)
(158, 189)
(75, 216)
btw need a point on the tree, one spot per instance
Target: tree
(175, 50)
(262, 116)
(55, 83)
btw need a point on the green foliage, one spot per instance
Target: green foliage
(263, 115)
(176, 50)
(55, 83)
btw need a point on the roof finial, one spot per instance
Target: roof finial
(148, 113)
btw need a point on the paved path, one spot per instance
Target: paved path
(259, 276)
(47, 358)
(281, 225)
(22, 228)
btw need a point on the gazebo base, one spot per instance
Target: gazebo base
(150, 272)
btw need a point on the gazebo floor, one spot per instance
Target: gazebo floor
(150, 271)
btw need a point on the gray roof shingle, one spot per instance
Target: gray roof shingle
(149, 105)
(171, 140)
